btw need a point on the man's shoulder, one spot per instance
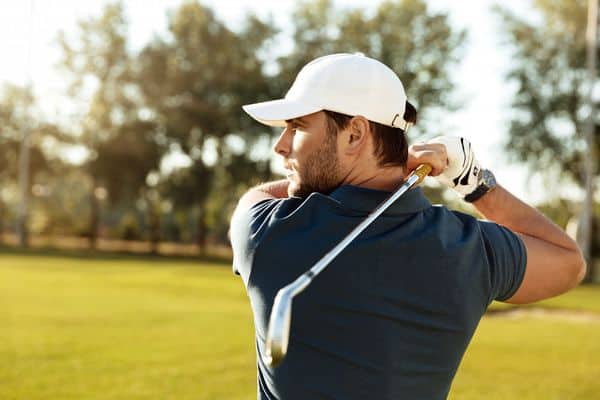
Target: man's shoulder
(273, 210)
(463, 217)
(252, 227)
(459, 225)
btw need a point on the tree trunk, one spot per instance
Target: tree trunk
(201, 234)
(154, 219)
(24, 188)
(592, 274)
(94, 217)
(1, 222)
(587, 213)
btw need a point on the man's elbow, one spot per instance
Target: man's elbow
(544, 279)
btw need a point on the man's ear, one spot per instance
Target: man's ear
(357, 134)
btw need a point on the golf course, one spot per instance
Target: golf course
(76, 326)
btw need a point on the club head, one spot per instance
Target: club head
(278, 333)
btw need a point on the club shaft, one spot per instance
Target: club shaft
(279, 323)
(305, 279)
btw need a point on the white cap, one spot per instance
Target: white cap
(350, 84)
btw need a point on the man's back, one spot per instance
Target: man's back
(393, 314)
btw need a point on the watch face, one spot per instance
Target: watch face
(488, 179)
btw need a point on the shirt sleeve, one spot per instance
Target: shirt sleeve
(245, 230)
(507, 258)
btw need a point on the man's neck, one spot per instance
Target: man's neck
(387, 179)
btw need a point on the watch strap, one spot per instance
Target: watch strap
(477, 193)
(487, 182)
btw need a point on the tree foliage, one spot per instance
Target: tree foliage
(549, 69)
(18, 106)
(195, 82)
(550, 105)
(123, 144)
(180, 96)
(417, 43)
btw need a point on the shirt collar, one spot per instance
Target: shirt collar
(366, 200)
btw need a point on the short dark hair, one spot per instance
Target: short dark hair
(391, 147)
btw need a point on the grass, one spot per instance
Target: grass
(156, 328)
(584, 298)
(74, 328)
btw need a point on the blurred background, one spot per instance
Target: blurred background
(123, 142)
(123, 122)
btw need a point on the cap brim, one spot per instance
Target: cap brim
(276, 112)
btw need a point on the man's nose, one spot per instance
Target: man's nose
(283, 144)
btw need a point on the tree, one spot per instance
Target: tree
(189, 188)
(418, 44)
(123, 164)
(124, 143)
(183, 94)
(195, 83)
(549, 106)
(231, 181)
(16, 108)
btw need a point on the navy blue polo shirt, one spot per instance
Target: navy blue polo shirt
(392, 315)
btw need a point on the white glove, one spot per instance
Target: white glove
(463, 168)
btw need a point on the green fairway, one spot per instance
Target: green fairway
(122, 329)
(127, 328)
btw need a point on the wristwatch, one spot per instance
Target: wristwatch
(486, 181)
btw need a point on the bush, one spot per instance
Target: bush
(129, 228)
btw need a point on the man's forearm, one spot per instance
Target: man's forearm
(502, 207)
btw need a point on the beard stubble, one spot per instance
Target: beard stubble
(320, 172)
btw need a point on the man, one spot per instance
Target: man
(392, 315)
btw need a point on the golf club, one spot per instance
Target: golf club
(278, 333)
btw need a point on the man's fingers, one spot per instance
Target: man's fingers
(433, 154)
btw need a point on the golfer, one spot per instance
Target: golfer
(392, 315)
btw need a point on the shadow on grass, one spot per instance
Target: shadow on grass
(114, 255)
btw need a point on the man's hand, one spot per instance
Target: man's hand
(453, 161)
(433, 154)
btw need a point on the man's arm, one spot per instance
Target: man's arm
(554, 262)
(269, 190)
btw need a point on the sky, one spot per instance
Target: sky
(28, 30)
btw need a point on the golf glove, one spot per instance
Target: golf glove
(462, 171)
